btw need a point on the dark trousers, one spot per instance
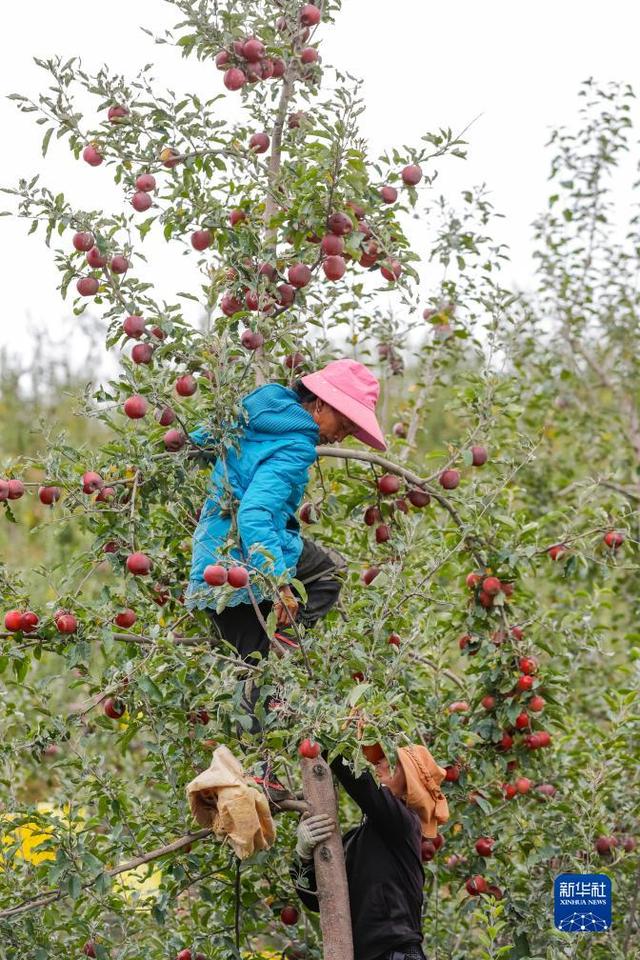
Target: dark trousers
(320, 570)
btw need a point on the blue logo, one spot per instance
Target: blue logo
(582, 902)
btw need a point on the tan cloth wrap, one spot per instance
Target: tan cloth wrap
(424, 795)
(223, 798)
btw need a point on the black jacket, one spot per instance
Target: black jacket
(384, 869)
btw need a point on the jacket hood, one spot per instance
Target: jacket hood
(275, 410)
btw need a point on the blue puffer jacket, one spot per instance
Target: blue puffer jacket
(266, 472)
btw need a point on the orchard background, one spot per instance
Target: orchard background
(547, 384)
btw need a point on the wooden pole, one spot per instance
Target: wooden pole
(331, 876)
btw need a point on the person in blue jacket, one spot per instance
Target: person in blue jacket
(249, 516)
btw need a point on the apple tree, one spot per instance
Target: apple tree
(471, 615)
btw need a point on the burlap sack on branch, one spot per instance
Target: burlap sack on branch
(223, 798)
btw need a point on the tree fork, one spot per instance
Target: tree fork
(331, 875)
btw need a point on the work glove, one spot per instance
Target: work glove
(311, 832)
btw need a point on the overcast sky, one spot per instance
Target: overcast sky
(424, 65)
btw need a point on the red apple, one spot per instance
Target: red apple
(522, 720)
(524, 683)
(613, 539)
(49, 495)
(449, 479)
(310, 15)
(87, 286)
(237, 216)
(294, 361)
(169, 157)
(158, 333)
(234, 78)
(286, 294)
(138, 564)
(106, 495)
(299, 275)
(427, 851)
(222, 59)
(215, 575)
(473, 579)
(13, 621)
(142, 353)
(289, 915)
(253, 50)
(523, 785)
(394, 640)
(476, 885)
(279, 67)
(15, 489)
(259, 143)
(527, 664)
(411, 175)
(418, 497)
(452, 774)
(388, 483)
(29, 621)
(491, 585)
(65, 622)
(146, 182)
(485, 600)
(495, 891)
(383, 533)
(308, 55)
(488, 702)
(134, 327)
(141, 201)
(186, 385)
(251, 340)
(332, 245)
(119, 264)
(117, 113)
(174, 440)
(391, 270)
(135, 407)
(458, 706)
(505, 742)
(201, 239)
(91, 482)
(484, 846)
(114, 708)
(537, 704)
(479, 455)
(89, 949)
(340, 224)
(334, 268)
(509, 791)
(308, 513)
(546, 789)
(517, 633)
(310, 749)
(95, 259)
(230, 304)
(126, 618)
(373, 753)
(372, 515)
(92, 156)
(557, 551)
(369, 575)
(389, 194)
(83, 241)
(237, 577)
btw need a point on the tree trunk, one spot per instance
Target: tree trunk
(331, 876)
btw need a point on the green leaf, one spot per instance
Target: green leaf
(45, 142)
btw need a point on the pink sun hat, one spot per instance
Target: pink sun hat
(352, 390)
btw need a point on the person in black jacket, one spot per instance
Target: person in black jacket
(382, 855)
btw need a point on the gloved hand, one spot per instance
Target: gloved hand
(311, 832)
